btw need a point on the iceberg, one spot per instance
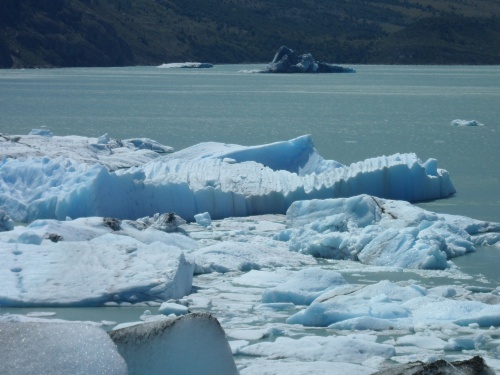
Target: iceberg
(107, 269)
(304, 287)
(231, 255)
(460, 123)
(259, 180)
(191, 344)
(382, 232)
(192, 65)
(314, 348)
(387, 305)
(59, 349)
(287, 61)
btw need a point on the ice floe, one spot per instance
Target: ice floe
(290, 252)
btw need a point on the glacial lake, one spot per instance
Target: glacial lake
(379, 110)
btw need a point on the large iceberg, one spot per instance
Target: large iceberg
(223, 180)
(287, 61)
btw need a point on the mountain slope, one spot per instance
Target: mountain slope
(151, 32)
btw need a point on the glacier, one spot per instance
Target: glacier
(270, 253)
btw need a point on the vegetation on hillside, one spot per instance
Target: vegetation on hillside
(64, 33)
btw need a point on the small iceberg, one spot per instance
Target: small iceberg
(186, 65)
(460, 123)
(287, 61)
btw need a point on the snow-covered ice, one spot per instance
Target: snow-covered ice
(290, 252)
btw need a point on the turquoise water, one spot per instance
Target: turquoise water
(379, 110)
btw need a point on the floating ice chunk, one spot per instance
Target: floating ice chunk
(265, 179)
(422, 341)
(316, 348)
(381, 232)
(107, 268)
(368, 323)
(241, 256)
(262, 279)
(464, 313)
(146, 230)
(168, 308)
(277, 367)
(191, 344)
(188, 65)
(382, 300)
(103, 139)
(203, 219)
(287, 61)
(472, 342)
(304, 286)
(465, 123)
(41, 132)
(58, 348)
(146, 144)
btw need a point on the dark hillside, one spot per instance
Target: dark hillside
(65, 33)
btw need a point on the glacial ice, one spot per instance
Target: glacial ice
(107, 269)
(95, 235)
(193, 65)
(382, 232)
(191, 344)
(287, 61)
(386, 305)
(305, 286)
(263, 179)
(58, 349)
(112, 153)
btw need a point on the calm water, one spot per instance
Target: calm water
(379, 110)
